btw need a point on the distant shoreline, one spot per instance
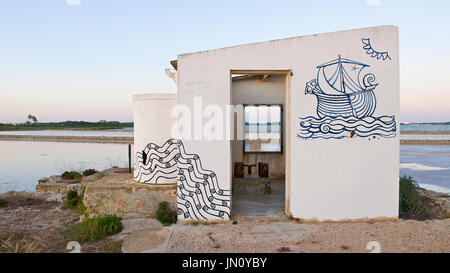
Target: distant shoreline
(80, 139)
(130, 140)
(66, 125)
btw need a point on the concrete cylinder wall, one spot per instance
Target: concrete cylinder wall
(152, 129)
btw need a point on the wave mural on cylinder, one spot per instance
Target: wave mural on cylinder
(199, 195)
(346, 102)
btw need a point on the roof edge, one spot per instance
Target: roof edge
(281, 39)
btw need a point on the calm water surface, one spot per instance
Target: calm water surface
(427, 128)
(22, 163)
(429, 165)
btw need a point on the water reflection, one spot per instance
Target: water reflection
(22, 163)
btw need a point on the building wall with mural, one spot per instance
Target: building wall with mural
(341, 116)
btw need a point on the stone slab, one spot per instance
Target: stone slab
(151, 240)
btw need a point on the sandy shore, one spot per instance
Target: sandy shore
(425, 142)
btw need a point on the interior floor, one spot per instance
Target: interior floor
(260, 205)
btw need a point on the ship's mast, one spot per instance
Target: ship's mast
(341, 72)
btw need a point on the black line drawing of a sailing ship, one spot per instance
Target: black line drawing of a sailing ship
(340, 90)
(346, 103)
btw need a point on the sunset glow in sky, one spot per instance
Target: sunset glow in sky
(84, 59)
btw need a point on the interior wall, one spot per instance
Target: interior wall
(256, 91)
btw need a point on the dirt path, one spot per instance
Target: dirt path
(290, 236)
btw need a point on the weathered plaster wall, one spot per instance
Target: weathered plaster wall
(330, 179)
(152, 124)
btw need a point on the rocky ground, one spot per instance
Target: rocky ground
(289, 236)
(32, 222)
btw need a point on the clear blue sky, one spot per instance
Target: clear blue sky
(84, 62)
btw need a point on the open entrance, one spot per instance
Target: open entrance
(259, 183)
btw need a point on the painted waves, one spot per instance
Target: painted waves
(199, 195)
(157, 165)
(342, 127)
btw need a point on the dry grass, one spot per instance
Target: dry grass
(111, 247)
(19, 243)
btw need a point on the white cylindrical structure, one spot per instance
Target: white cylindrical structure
(153, 160)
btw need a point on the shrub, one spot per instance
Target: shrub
(89, 172)
(410, 200)
(2, 202)
(165, 215)
(72, 199)
(92, 229)
(71, 175)
(75, 201)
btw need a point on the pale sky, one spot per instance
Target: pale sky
(64, 61)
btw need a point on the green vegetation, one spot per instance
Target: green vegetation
(165, 215)
(75, 201)
(2, 202)
(235, 222)
(89, 172)
(71, 175)
(32, 124)
(72, 200)
(92, 229)
(411, 203)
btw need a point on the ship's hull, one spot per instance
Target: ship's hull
(359, 105)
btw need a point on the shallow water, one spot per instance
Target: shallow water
(22, 163)
(427, 128)
(428, 165)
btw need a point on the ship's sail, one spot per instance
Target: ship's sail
(340, 76)
(340, 92)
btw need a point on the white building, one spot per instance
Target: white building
(331, 140)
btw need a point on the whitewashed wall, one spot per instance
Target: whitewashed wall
(331, 179)
(152, 125)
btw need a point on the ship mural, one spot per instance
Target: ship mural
(346, 102)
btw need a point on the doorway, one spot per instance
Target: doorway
(260, 159)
